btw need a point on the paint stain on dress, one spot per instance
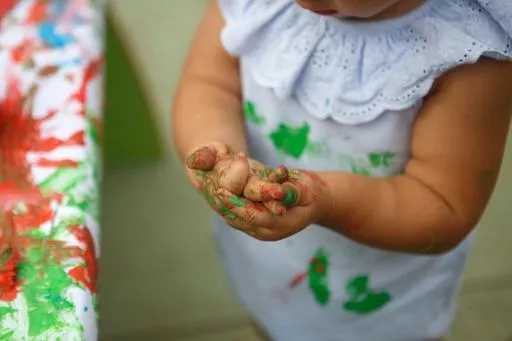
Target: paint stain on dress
(291, 141)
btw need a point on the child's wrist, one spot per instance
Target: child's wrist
(328, 203)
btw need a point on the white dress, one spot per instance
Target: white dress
(326, 94)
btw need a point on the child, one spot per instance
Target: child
(391, 117)
(50, 104)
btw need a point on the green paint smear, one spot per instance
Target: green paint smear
(262, 173)
(5, 311)
(6, 334)
(290, 196)
(45, 283)
(370, 304)
(360, 171)
(64, 179)
(363, 300)
(237, 201)
(358, 286)
(381, 159)
(291, 141)
(315, 148)
(251, 114)
(317, 277)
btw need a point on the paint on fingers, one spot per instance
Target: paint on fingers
(291, 197)
(258, 190)
(279, 175)
(275, 207)
(203, 159)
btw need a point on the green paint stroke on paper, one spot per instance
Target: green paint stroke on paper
(45, 285)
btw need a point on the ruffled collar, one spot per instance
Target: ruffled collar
(353, 71)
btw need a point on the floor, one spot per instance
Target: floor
(161, 279)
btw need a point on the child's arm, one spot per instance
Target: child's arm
(457, 150)
(207, 105)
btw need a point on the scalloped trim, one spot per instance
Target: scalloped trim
(412, 84)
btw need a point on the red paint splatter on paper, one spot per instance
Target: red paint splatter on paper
(86, 274)
(21, 134)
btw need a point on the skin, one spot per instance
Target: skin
(458, 140)
(367, 9)
(215, 166)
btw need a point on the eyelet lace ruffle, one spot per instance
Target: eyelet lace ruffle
(353, 72)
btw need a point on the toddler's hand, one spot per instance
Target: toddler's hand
(215, 166)
(305, 197)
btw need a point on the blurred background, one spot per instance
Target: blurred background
(160, 276)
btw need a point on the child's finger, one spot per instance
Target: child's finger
(203, 159)
(275, 207)
(257, 189)
(248, 214)
(235, 176)
(279, 175)
(291, 196)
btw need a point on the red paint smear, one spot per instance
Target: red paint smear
(37, 13)
(88, 274)
(256, 206)
(52, 143)
(10, 194)
(23, 51)
(91, 71)
(6, 6)
(297, 280)
(21, 133)
(56, 163)
(70, 77)
(8, 284)
(35, 216)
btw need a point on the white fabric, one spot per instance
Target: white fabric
(352, 71)
(312, 103)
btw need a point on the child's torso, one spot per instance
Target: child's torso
(318, 285)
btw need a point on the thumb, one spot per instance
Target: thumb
(203, 159)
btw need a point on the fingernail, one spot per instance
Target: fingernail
(242, 154)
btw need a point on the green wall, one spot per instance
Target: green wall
(130, 134)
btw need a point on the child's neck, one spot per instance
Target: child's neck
(402, 7)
